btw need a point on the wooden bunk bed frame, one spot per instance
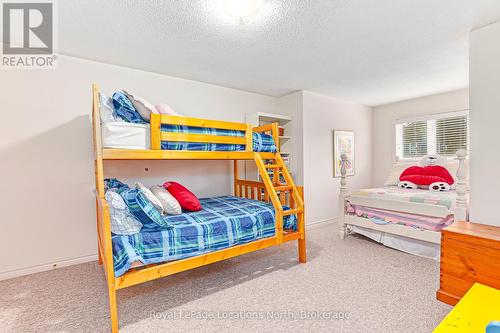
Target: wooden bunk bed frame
(268, 190)
(459, 213)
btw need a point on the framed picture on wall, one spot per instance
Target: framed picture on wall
(343, 143)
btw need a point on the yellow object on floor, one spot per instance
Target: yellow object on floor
(479, 307)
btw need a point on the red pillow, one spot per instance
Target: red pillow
(426, 175)
(185, 197)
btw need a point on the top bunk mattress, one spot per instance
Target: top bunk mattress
(124, 135)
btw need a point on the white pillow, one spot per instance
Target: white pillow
(396, 171)
(122, 220)
(170, 205)
(151, 197)
(142, 106)
(106, 109)
(165, 109)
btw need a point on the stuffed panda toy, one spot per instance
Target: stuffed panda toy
(431, 175)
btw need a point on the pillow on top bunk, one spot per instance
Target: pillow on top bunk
(150, 196)
(170, 205)
(106, 109)
(186, 198)
(165, 109)
(125, 109)
(142, 106)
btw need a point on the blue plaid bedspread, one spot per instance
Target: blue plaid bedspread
(261, 142)
(224, 222)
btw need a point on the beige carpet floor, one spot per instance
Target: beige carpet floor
(373, 288)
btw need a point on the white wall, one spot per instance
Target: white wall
(484, 122)
(321, 115)
(384, 118)
(47, 203)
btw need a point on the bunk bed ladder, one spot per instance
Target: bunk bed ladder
(277, 192)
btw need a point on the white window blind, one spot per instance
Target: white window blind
(441, 134)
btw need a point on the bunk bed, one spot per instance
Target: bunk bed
(409, 220)
(285, 200)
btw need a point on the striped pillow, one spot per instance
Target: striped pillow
(170, 205)
(142, 208)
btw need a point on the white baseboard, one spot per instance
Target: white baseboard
(45, 267)
(80, 260)
(316, 223)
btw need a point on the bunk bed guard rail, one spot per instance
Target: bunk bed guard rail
(157, 136)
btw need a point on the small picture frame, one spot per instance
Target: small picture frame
(343, 143)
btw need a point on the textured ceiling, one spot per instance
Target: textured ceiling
(373, 52)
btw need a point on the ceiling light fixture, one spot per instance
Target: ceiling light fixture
(242, 8)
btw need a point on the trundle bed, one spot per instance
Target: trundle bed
(259, 215)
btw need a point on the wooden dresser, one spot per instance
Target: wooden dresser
(470, 253)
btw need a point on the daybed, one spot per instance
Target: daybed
(409, 220)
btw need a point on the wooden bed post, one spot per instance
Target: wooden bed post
(249, 138)
(236, 177)
(302, 229)
(461, 206)
(275, 133)
(155, 131)
(276, 138)
(343, 192)
(96, 121)
(98, 163)
(104, 245)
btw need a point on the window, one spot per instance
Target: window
(441, 134)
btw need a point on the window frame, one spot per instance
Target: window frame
(425, 117)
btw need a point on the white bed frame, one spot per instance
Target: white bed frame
(460, 211)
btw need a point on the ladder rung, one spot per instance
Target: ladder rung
(292, 211)
(283, 188)
(273, 166)
(270, 158)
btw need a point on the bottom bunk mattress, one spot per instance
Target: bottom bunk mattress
(223, 222)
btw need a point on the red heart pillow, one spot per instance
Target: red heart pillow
(426, 175)
(185, 197)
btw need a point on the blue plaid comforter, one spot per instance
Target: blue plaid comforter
(224, 222)
(261, 142)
